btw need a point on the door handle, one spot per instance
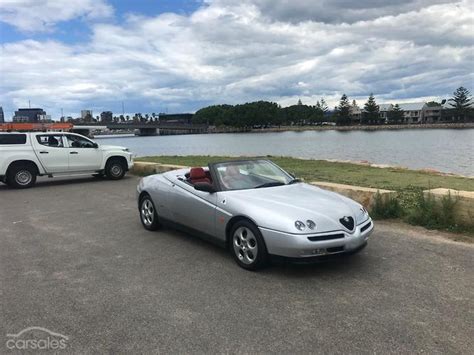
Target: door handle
(73, 153)
(43, 152)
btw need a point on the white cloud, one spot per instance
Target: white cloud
(42, 15)
(228, 53)
(332, 11)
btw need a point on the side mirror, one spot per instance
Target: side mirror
(95, 145)
(204, 186)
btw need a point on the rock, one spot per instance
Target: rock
(364, 195)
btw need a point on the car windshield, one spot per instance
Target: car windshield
(253, 174)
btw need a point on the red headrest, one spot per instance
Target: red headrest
(197, 173)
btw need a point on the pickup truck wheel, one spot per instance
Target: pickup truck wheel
(21, 176)
(115, 169)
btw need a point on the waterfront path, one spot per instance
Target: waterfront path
(75, 259)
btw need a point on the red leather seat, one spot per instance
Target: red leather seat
(198, 175)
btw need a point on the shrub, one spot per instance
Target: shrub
(386, 209)
(431, 214)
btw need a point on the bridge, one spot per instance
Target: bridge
(143, 128)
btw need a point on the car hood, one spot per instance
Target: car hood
(279, 207)
(112, 147)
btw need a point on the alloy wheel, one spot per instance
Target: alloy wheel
(147, 212)
(245, 245)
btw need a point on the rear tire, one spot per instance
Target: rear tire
(148, 214)
(115, 169)
(21, 176)
(247, 246)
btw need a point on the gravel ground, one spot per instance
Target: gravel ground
(75, 259)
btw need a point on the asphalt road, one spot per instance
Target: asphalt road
(74, 259)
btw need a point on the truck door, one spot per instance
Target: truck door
(84, 155)
(51, 152)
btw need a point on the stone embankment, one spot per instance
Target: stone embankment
(368, 127)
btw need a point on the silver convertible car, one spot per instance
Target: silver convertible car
(256, 210)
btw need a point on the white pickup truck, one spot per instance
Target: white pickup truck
(24, 156)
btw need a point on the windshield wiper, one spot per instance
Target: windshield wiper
(294, 181)
(270, 184)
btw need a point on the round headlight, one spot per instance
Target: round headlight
(300, 225)
(310, 224)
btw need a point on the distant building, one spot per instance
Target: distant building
(384, 110)
(2, 117)
(180, 118)
(45, 118)
(106, 116)
(355, 112)
(86, 113)
(432, 113)
(30, 115)
(412, 112)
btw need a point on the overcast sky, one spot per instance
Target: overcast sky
(178, 56)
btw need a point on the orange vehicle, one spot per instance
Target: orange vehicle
(29, 127)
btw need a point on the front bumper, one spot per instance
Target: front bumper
(300, 246)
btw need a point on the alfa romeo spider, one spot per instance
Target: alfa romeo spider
(256, 210)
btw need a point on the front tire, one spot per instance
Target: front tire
(247, 246)
(21, 176)
(115, 169)
(148, 214)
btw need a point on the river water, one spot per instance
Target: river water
(447, 150)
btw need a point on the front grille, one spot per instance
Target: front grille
(326, 237)
(364, 228)
(347, 222)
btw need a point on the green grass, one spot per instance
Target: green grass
(343, 173)
(409, 184)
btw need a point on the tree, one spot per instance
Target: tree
(88, 118)
(461, 102)
(371, 111)
(301, 114)
(318, 115)
(343, 111)
(324, 106)
(106, 116)
(217, 115)
(395, 115)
